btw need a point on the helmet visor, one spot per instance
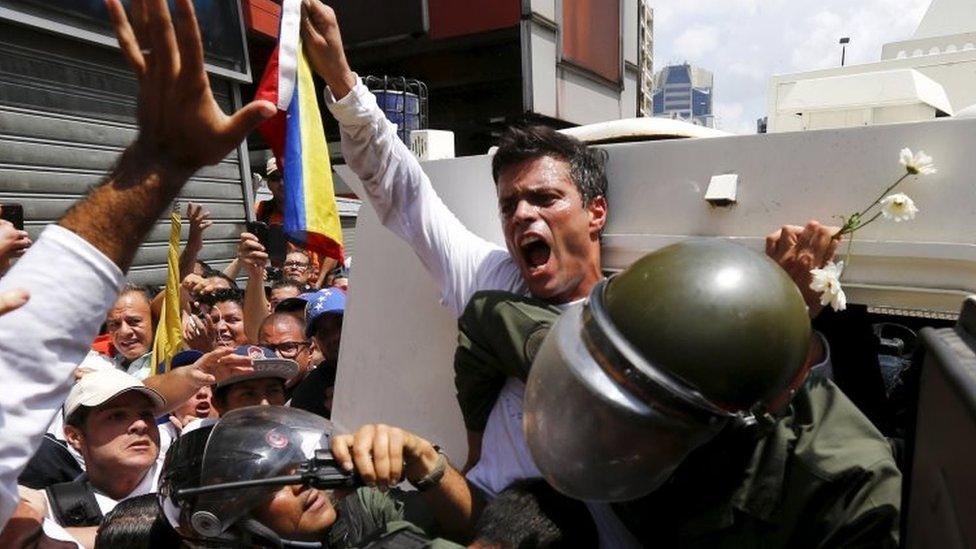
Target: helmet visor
(591, 437)
(253, 443)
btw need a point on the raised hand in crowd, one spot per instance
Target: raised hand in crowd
(196, 285)
(800, 249)
(181, 127)
(13, 243)
(199, 220)
(179, 384)
(198, 332)
(251, 254)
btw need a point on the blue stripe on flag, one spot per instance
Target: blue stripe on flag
(294, 177)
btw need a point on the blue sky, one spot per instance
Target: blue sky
(745, 42)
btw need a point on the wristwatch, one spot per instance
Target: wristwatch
(434, 477)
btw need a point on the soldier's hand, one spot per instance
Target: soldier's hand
(323, 45)
(800, 249)
(384, 455)
(180, 124)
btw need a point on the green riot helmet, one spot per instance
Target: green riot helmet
(658, 360)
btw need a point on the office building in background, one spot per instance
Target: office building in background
(684, 92)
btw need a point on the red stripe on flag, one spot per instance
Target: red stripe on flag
(272, 129)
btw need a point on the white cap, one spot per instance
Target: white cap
(271, 167)
(101, 386)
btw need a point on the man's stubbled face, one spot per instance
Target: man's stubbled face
(553, 237)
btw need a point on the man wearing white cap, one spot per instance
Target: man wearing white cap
(110, 419)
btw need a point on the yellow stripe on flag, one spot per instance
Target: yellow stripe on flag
(169, 331)
(321, 212)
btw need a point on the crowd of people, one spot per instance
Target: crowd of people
(656, 407)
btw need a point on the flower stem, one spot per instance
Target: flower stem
(883, 194)
(874, 217)
(847, 256)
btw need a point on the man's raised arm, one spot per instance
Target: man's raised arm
(181, 128)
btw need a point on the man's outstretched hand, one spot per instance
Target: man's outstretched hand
(181, 127)
(323, 45)
(799, 249)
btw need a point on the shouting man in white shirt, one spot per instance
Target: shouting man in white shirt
(551, 199)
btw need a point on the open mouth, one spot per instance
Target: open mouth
(535, 252)
(202, 409)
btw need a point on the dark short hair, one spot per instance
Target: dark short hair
(531, 514)
(78, 417)
(224, 294)
(219, 397)
(136, 523)
(132, 288)
(586, 165)
(288, 283)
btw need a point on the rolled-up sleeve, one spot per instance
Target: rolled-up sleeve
(72, 286)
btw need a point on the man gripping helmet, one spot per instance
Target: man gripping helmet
(270, 476)
(680, 389)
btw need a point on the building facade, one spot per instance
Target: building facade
(930, 75)
(684, 92)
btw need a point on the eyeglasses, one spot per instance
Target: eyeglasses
(296, 264)
(288, 349)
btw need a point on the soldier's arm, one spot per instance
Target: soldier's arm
(868, 515)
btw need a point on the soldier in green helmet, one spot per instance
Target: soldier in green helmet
(679, 395)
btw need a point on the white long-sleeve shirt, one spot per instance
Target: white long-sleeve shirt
(460, 261)
(72, 287)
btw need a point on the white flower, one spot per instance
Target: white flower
(898, 207)
(827, 282)
(919, 163)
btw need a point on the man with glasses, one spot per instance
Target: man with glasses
(323, 324)
(296, 266)
(284, 334)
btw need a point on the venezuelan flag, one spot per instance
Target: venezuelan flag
(297, 137)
